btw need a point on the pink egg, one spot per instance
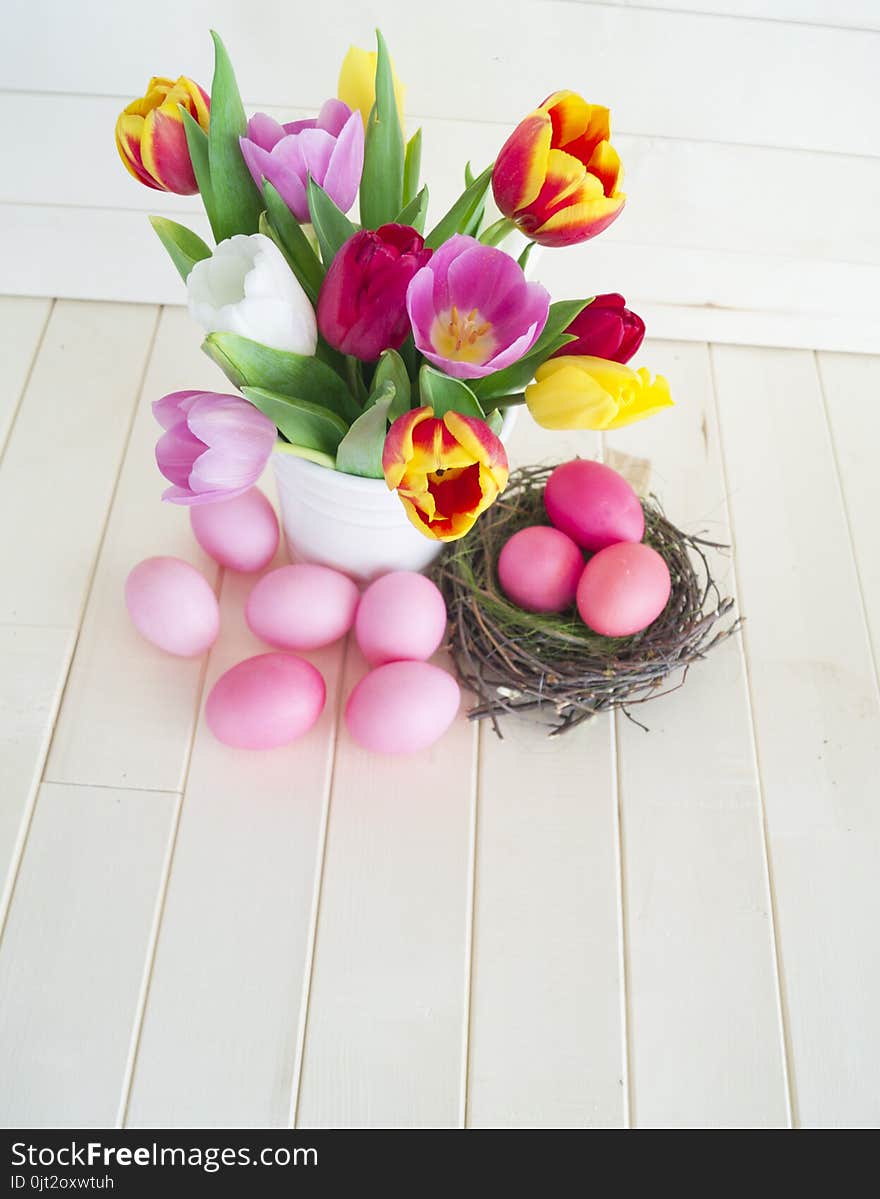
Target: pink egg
(593, 504)
(241, 533)
(173, 606)
(302, 606)
(401, 616)
(265, 701)
(539, 569)
(623, 589)
(402, 707)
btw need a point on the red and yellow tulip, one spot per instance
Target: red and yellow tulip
(446, 470)
(579, 392)
(150, 135)
(558, 176)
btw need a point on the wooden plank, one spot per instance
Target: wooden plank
(750, 82)
(33, 667)
(847, 382)
(129, 709)
(72, 957)
(62, 458)
(853, 14)
(683, 193)
(705, 1034)
(221, 1036)
(546, 1013)
(817, 716)
(22, 322)
(386, 1023)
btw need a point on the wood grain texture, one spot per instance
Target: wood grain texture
(135, 728)
(22, 322)
(817, 716)
(63, 456)
(707, 1044)
(386, 1024)
(73, 953)
(758, 82)
(851, 384)
(221, 1035)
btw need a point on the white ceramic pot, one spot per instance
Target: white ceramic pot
(352, 524)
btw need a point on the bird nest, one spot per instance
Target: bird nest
(552, 668)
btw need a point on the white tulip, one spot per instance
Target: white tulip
(246, 287)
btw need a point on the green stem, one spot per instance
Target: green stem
(496, 233)
(355, 379)
(511, 401)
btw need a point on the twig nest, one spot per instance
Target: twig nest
(551, 667)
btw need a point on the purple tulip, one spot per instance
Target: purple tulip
(605, 329)
(215, 446)
(329, 147)
(472, 311)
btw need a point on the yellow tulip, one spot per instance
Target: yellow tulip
(357, 82)
(579, 392)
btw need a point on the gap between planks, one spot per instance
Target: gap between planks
(782, 1007)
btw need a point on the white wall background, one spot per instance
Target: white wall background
(749, 131)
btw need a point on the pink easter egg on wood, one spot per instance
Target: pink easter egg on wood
(173, 606)
(539, 569)
(302, 606)
(241, 533)
(402, 707)
(623, 589)
(593, 504)
(401, 616)
(265, 702)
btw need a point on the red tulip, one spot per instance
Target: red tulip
(362, 304)
(605, 329)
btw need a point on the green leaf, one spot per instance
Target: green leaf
(304, 262)
(381, 189)
(332, 227)
(495, 420)
(415, 212)
(236, 200)
(302, 423)
(472, 227)
(185, 247)
(445, 394)
(523, 259)
(301, 451)
(392, 369)
(360, 451)
(412, 166)
(462, 211)
(553, 338)
(197, 144)
(247, 363)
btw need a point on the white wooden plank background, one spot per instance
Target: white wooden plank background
(662, 929)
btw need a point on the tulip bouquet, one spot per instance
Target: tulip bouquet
(389, 348)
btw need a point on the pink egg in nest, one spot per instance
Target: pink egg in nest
(265, 702)
(593, 504)
(623, 589)
(539, 569)
(401, 616)
(241, 534)
(173, 606)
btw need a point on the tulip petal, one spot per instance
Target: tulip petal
(176, 452)
(265, 131)
(569, 114)
(522, 163)
(398, 449)
(345, 167)
(579, 222)
(165, 153)
(333, 116)
(605, 165)
(171, 410)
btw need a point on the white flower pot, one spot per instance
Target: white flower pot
(355, 525)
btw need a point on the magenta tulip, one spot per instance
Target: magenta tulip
(329, 147)
(605, 329)
(362, 305)
(215, 446)
(472, 311)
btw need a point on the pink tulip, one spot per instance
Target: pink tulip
(329, 147)
(472, 311)
(215, 446)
